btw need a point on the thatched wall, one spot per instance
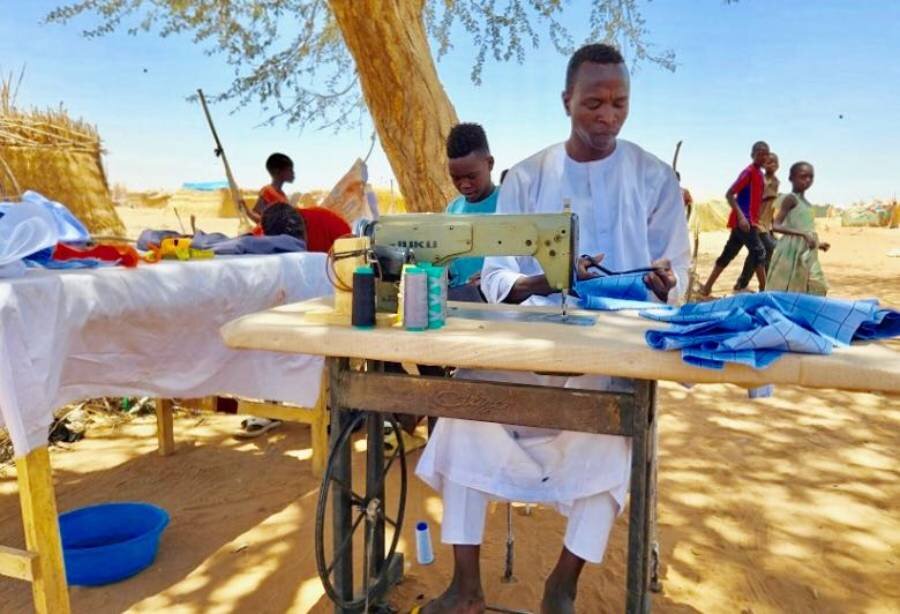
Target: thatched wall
(48, 152)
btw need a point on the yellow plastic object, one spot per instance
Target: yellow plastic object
(177, 248)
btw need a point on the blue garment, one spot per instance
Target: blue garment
(617, 293)
(614, 292)
(223, 245)
(73, 263)
(247, 244)
(462, 269)
(757, 329)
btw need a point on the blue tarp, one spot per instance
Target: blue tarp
(205, 186)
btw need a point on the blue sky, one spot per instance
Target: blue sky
(759, 69)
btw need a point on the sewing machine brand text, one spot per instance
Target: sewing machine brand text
(417, 244)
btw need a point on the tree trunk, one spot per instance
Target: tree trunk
(406, 100)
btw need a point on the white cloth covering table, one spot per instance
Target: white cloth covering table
(153, 330)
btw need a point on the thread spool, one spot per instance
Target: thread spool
(424, 551)
(415, 299)
(363, 314)
(437, 300)
(445, 286)
(401, 291)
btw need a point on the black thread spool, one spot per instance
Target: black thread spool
(363, 314)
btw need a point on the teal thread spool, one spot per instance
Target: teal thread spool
(437, 298)
(445, 285)
(415, 299)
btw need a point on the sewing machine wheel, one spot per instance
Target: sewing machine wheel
(346, 557)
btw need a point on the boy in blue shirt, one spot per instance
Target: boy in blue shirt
(470, 165)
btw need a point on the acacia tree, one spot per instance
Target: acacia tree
(325, 63)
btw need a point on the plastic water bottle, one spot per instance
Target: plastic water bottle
(424, 552)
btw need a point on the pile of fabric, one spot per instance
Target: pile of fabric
(41, 233)
(757, 329)
(750, 329)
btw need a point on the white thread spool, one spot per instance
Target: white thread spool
(424, 551)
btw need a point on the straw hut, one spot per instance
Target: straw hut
(50, 153)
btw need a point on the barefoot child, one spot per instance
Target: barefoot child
(766, 214)
(795, 263)
(745, 197)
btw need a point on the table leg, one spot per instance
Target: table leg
(638, 598)
(319, 431)
(374, 472)
(341, 502)
(165, 427)
(49, 588)
(655, 582)
(374, 493)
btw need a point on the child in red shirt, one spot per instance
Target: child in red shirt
(745, 197)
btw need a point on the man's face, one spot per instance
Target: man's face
(287, 175)
(802, 178)
(771, 164)
(598, 104)
(760, 155)
(471, 175)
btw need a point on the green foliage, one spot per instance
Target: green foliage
(288, 55)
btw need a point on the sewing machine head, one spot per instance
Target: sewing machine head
(551, 238)
(395, 240)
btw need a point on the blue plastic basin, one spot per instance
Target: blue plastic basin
(110, 542)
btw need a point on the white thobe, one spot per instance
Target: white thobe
(630, 209)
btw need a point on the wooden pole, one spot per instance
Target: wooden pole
(165, 427)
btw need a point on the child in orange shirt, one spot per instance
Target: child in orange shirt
(281, 170)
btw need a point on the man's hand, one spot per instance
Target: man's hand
(583, 267)
(475, 280)
(743, 224)
(662, 280)
(824, 246)
(528, 286)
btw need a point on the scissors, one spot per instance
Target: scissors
(609, 272)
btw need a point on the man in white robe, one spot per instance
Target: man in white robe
(631, 215)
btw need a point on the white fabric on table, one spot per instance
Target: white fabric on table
(24, 230)
(630, 209)
(587, 530)
(153, 331)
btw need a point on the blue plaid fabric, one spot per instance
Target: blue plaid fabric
(757, 329)
(614, 293)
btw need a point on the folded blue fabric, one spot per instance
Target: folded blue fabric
(223, 245)
(616, 293)
(247, 244)
(629, 287)
(757, 329)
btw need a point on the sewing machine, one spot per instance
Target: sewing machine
(395, 240)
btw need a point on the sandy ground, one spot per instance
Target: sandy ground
(789, 504)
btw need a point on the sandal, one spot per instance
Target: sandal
(254, 427)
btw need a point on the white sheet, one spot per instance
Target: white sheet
(153, 331)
